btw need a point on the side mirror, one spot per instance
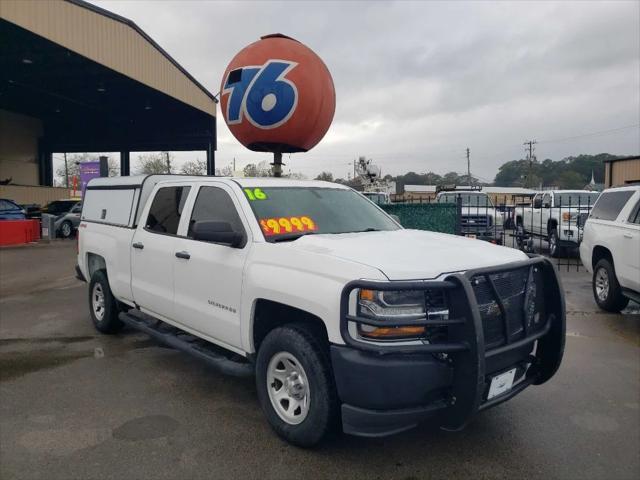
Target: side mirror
(217, 232)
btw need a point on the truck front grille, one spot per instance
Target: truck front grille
(472, 222)
(508, 288)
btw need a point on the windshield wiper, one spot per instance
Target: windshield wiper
(371, 229)
(291, 236)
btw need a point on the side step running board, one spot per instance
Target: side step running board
(185, 342)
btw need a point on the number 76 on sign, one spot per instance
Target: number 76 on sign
(261, 94)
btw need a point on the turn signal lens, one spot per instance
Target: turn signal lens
(391, 332)
(367, 295)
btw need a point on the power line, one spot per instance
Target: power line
(592, 134)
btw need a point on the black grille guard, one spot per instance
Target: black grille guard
(466, 345)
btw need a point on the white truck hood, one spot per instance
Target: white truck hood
(409, 254)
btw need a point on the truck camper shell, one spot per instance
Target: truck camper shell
(116, 200)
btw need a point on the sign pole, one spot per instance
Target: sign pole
(277, 164)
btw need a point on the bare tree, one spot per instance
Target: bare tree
(73, 167)
(152, 163)
(224, 171)
(194, 167)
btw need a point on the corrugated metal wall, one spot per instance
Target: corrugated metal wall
(621, 172)
(40, 195)
(108, 42)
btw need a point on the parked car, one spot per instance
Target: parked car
(67, 224)
(478, 216)
(557, 216)
(59, 207)
(610, 248)
(32, 210)
(344, 317)
(10, 210)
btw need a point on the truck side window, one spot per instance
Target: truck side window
(166, 209)
(214, 204)
(546, 201)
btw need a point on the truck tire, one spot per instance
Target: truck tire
(554, 248)
(66, 229)
(520, 235)
(295, 385)
(102, 305)
(606, 289)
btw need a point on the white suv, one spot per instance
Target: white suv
(610, 247)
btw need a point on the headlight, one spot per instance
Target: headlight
(397, 306)
(569, 216)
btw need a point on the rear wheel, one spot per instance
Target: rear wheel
(102, 305)
(295, 385)
(606, 289)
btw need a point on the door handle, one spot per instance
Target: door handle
(628, 235)
(183, 254)
(138, 245)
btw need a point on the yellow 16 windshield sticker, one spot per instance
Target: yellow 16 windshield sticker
(282, 225)
(255, 194)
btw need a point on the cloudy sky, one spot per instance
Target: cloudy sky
(418, 82)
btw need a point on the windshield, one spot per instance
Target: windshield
(468, 199)
(576, 199)
(289, 212)
(378, 198)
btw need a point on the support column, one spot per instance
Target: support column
(45, 164)
(125, 168)
(211, 159)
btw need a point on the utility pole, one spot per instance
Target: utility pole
(530, 149)
(168, 163)
(354, 169)
(469, 167)
(66, 171)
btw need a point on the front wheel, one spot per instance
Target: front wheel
(606, 289)
(295, 385)
(66, 229)
(554, 248)
(102, 305)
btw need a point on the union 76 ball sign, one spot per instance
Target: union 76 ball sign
(278, 96)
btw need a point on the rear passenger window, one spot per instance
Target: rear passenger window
(215, 205)
(610, 204)
(166, 209)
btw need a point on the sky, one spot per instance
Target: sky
(419, 82)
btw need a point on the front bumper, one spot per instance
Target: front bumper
(489, 234)
(388, 389)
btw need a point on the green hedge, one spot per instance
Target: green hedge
(435, 217)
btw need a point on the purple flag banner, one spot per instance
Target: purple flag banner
(88, 170)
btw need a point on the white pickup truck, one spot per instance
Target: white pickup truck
(557, 216)
(344, 317)
(478, 216)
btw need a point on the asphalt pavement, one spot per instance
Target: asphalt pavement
(75, 404)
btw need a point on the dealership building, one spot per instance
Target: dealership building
(77, 78)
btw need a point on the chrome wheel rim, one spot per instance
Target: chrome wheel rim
(288, 388)
(602, 284)
(97, 302)
(552, 244)
(66, 229)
